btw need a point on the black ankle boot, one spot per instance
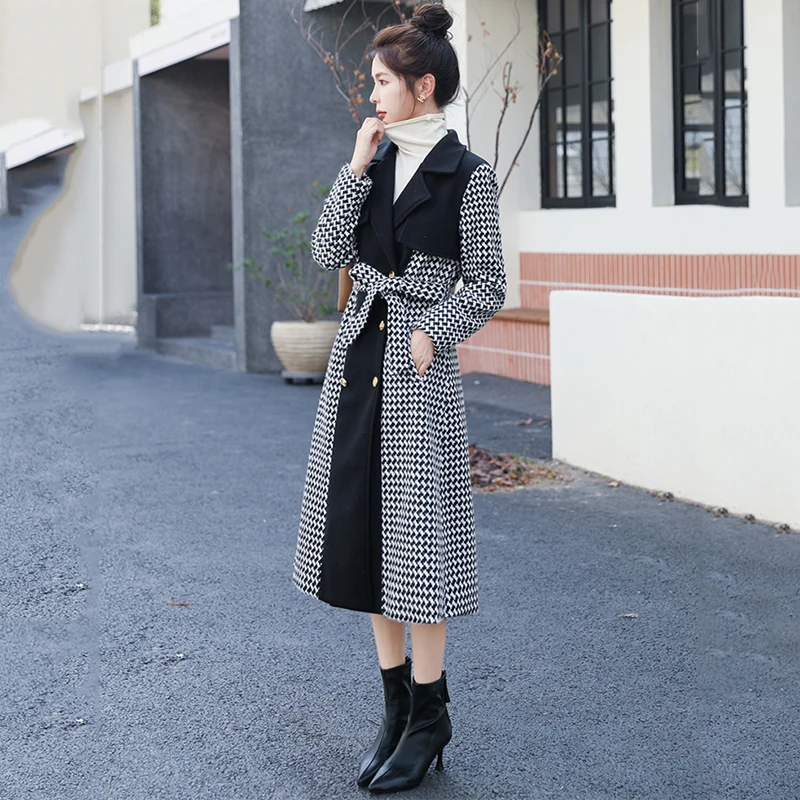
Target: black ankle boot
(397, 693)
(427, 732)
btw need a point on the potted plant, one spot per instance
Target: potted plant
(303, 344)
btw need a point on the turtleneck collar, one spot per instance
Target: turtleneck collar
(415, 138)
(417, 135)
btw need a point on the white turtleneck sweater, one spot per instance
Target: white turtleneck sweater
(414, 138)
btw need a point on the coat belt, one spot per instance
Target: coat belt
(396, 290)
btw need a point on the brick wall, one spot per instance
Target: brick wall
(519, 348)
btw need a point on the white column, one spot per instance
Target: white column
(662, 118)
(791, 91)
(486, 27)
(763, 58)
(633, 123)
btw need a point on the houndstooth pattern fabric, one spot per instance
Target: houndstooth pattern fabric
(428, 528)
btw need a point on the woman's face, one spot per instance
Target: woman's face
(393, 101)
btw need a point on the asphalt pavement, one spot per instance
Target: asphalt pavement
(152, 644)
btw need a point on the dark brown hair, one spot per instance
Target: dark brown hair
(422, 45)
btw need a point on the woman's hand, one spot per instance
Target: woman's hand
(367, 140)
(421, 350)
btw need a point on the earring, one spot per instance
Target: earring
(421, 97)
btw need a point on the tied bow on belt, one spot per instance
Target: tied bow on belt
(397, 290)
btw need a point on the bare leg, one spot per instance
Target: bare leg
(427, 644)
(390, 639)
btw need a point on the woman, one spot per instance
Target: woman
(387, 521)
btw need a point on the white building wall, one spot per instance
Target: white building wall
(69, 80)
(55, 277)
(696, 396)
(174, 8)
(57, 61)
(48, 53)
(117, 289)
(481, 33)
(644, 221)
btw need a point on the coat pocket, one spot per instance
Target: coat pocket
(412, 364)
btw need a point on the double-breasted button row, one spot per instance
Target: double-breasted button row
(374, 381)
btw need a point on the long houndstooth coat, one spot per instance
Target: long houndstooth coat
(387, 519)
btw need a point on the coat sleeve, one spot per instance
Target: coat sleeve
(333, 242)
(484, 291)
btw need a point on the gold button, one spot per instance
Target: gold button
(344, 382)
(391, 274)
(382, 325)
(375, 381)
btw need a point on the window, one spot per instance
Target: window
(710, 102)
(577, 128)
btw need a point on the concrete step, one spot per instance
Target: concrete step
(223, 333)
(199, 350)
(32, 183)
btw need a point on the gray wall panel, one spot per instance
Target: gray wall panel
(185, 168)
(295, 129)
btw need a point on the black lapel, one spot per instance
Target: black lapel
(435, 188)
(381, 196)
(444, 158)
(414, 194)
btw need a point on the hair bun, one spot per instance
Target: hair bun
(432, 18)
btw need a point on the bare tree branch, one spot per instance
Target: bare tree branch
(494, 63)
(549, 60)
(489, 70)
(506, 98)
(348, 78)
(348, 82)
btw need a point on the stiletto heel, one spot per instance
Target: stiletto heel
(439, 764)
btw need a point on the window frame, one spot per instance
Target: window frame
(587, 199)
(719, 198)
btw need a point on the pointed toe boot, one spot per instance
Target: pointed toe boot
(427, 732)
(397, 695)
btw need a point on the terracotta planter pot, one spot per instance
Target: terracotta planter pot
(303, 347)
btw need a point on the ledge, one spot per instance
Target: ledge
(539, 316)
